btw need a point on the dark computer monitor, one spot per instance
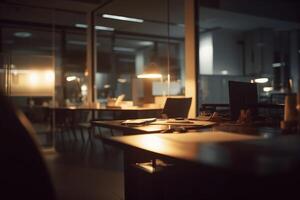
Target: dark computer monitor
(242, 95)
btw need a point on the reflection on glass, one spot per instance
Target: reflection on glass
(244, 44)
(139, 58)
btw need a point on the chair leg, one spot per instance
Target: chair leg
(74, 133)
(99, 131)
(82, 136)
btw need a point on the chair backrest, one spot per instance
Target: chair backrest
(23, 172)
(177, 107)
(242, 95)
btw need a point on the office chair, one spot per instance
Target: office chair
(23, 172)
(176, 107)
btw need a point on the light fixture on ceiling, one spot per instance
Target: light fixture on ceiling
(122, 18)
(261, 80)
(101, 28)
(22, 34)
(104, 28)
(278, 64)
(268, 89)
(146, 43)
(71, 78)
(81, 25)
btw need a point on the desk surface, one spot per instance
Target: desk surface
(220, 149)
(154, 127)
(117, 124)
(133, 108)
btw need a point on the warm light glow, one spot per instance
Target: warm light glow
(153, 76)
(33, 79)
(268, 89)
(71, 78)
(84, 87)
(153, 142)
(261, 80)
(49, 76)
(122, 18)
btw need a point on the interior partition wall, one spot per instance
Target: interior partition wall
(43, 62)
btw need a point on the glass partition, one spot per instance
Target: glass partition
(41, 48)
(255, 42)
(140, 54)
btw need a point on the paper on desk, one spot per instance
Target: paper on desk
(179, 123)
(138, 121)
(205, 137)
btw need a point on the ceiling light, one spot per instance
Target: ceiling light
(124, 49)
(71, 78)
(146, 43)
(22, 34)
(102, 28)
(268, 89)
(261, 80)
(81, 25)
(274, 65)
(122, 18)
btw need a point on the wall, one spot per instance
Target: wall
(227, 52)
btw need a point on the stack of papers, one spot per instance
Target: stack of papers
(138, 121)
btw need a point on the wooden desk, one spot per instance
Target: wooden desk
(211, 165)
(154, 127)
(129, 129)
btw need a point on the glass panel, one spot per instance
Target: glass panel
(40, 48)
(243, 41)
(141, 43)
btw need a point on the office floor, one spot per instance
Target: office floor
(90, 173)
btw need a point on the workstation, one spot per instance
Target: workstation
(162, 99)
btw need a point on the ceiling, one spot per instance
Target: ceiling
(66, 13)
